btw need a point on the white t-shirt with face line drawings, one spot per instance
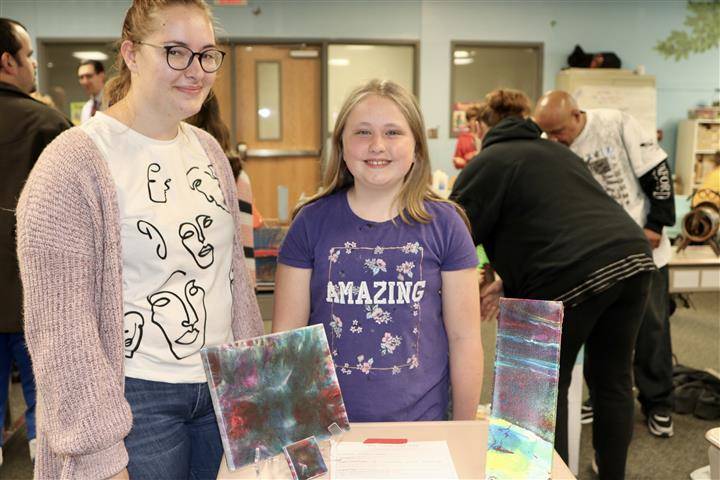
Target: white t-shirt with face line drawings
(176, 238)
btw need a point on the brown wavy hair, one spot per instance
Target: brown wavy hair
(416, 188)
(141, 21)
(503, 103)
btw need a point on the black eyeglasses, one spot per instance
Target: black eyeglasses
(180, 58)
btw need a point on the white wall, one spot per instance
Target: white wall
(630, 29)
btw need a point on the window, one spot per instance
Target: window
(351, 65)
(479, 68)
(58, 68)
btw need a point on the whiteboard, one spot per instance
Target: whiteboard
(638, 101)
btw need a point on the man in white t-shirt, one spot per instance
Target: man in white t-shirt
(632, 168)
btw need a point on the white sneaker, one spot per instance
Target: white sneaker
(1, 459)
(32, 444)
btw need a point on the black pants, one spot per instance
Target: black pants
(653, 350)
(607, 324)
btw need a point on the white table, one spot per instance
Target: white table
(695, 269)
(467, 441)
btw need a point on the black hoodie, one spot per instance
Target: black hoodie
(544, 221)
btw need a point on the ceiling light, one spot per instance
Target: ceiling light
(90, 55)
(339, 62)
(463, 61)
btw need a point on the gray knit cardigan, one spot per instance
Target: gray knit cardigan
(71, 268)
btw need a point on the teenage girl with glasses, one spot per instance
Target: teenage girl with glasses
(131, 263)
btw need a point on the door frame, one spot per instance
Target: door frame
(323, 43)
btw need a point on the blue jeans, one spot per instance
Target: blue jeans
(174, 434)
(12, 347)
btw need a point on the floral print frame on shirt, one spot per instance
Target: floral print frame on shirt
(369, 312)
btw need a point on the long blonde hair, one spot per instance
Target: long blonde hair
(416, 188)
(141, 21)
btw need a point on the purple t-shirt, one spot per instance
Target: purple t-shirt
(376, 289)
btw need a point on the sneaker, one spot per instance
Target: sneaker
(660, 424)
(586, 412)
(594, 466)
(32, 445)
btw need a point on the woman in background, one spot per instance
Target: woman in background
(468, 142)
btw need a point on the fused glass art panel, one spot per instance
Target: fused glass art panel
(522, 422)
(271, 391)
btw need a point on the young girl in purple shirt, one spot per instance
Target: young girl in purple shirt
(388, 268)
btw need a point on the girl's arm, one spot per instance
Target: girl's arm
(292, 298)
(461, 314)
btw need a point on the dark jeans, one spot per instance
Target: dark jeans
(607, 324)
(174, 434)
(13, 347)
(653, 350)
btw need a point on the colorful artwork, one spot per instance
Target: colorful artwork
(522, 422)
(305, 459)
(267, 244)
(272, 391)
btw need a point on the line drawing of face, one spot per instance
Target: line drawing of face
(132, 332)
(203, 181)
(149, 230)
(183, 327)
(157, 186)
(195, 241)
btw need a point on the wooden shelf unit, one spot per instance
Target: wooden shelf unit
(697, 142)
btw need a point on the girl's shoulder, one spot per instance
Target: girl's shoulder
(442, 211)
(323, 205)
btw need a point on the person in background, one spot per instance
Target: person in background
(633, 170)
(208, 118)
(468, 142)
(91, 75)
(552, 233)
(131, 261)
(26, 127)
(388, 268)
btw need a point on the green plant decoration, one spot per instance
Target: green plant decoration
(704, 21)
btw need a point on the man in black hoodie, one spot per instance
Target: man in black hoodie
(552, 233)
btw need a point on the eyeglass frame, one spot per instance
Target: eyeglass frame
(192, 56)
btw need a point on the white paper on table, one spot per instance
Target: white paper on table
(412, 460)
